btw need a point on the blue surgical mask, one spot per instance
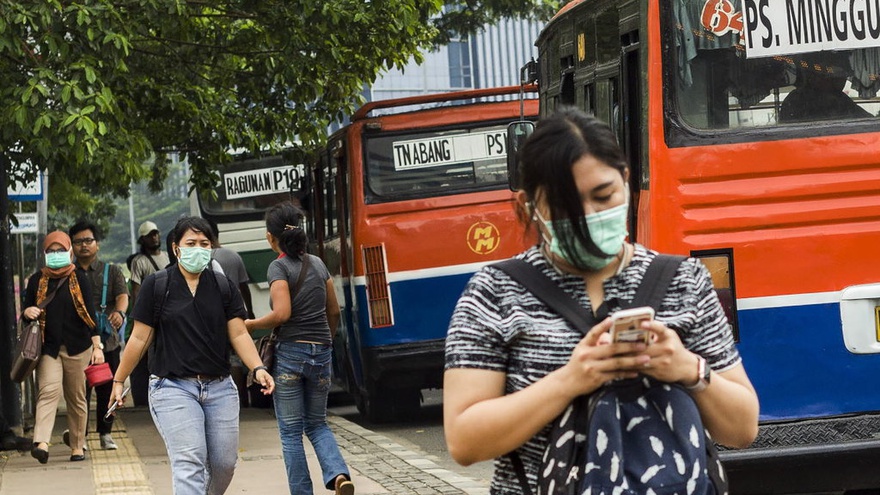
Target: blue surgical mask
(194, 259)
(607, 229)
(58, 260)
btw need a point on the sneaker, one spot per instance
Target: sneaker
(107, 442)
(65, 437)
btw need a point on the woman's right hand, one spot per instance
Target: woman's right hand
(32, 312)
(116, 396)
(595, 360)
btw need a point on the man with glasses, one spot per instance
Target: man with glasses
(110, 294)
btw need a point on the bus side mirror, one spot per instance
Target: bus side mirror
(517, 133)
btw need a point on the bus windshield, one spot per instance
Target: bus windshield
(435, 163)
(720, 84)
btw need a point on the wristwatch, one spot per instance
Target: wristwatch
(99, 346)
(705, 374)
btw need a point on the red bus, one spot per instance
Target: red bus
(408, 201)
(752, 133)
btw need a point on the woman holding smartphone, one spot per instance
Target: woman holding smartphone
(513, 364)
(189, 320)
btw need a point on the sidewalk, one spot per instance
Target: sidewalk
(140, 466)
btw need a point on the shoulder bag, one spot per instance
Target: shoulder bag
(30, 342)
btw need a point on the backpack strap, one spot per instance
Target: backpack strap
(656, 282)
(545, 289)
(651, 291)
(104, 290)
(160, 293)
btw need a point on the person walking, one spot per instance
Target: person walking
(305, 307)
(150, 259)
(190, 317)
(513, 364)
(110, 298)
(70, 343)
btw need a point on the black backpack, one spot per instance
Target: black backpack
(630, 436)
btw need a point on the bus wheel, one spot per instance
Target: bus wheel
(395, 405)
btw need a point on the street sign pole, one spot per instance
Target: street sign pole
(9, 391)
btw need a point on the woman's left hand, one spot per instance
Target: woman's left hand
(670, 360)
(265, 380)
(97, 356)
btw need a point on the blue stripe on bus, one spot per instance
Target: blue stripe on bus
(795, 356)
(796, 359)
(422, 308)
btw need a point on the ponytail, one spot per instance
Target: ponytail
(284, 221)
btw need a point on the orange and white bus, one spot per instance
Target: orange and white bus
(409, 200)
(752, 133)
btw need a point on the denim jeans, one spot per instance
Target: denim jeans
(302, 383)
(198, 420)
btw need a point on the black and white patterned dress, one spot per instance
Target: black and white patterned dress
(498, 325)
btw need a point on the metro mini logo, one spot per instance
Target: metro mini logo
(483, 237)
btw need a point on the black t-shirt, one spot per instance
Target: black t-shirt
(192, 338)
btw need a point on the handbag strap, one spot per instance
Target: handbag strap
(51, 295)
(302, 275)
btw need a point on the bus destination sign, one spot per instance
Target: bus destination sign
(447, 150)
(263, 181)
(785, 27)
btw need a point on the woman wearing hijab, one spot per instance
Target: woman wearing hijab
(70, 343)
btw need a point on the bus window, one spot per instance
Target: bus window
(250, 185)
(717, 87)
(437, 163)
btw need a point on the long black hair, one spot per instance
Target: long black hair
(284, 221)
(546, 160)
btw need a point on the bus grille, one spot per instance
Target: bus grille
(378, 295)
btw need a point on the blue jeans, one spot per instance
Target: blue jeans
(302, 383)
(198, 420)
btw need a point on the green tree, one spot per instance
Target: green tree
(92, 90)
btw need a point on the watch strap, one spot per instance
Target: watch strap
(704, 373)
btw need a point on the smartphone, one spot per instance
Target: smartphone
(112, 408)
(626, 325)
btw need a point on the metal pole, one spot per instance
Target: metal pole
(131, 218)
(9, 391)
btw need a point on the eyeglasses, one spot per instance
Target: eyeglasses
(88, 241)
(51, 251)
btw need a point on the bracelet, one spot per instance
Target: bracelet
(118, 381)
(121, 313)
(260, 367)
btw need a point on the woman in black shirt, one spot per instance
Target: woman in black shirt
(189, 317)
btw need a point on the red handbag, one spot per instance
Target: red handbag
(98, 374)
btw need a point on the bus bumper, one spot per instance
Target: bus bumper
(414, 365)
(827, 455)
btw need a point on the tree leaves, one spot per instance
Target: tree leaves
(93, 90)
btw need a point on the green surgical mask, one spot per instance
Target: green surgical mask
(607, 230)
(58, 260)
(194, 259)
